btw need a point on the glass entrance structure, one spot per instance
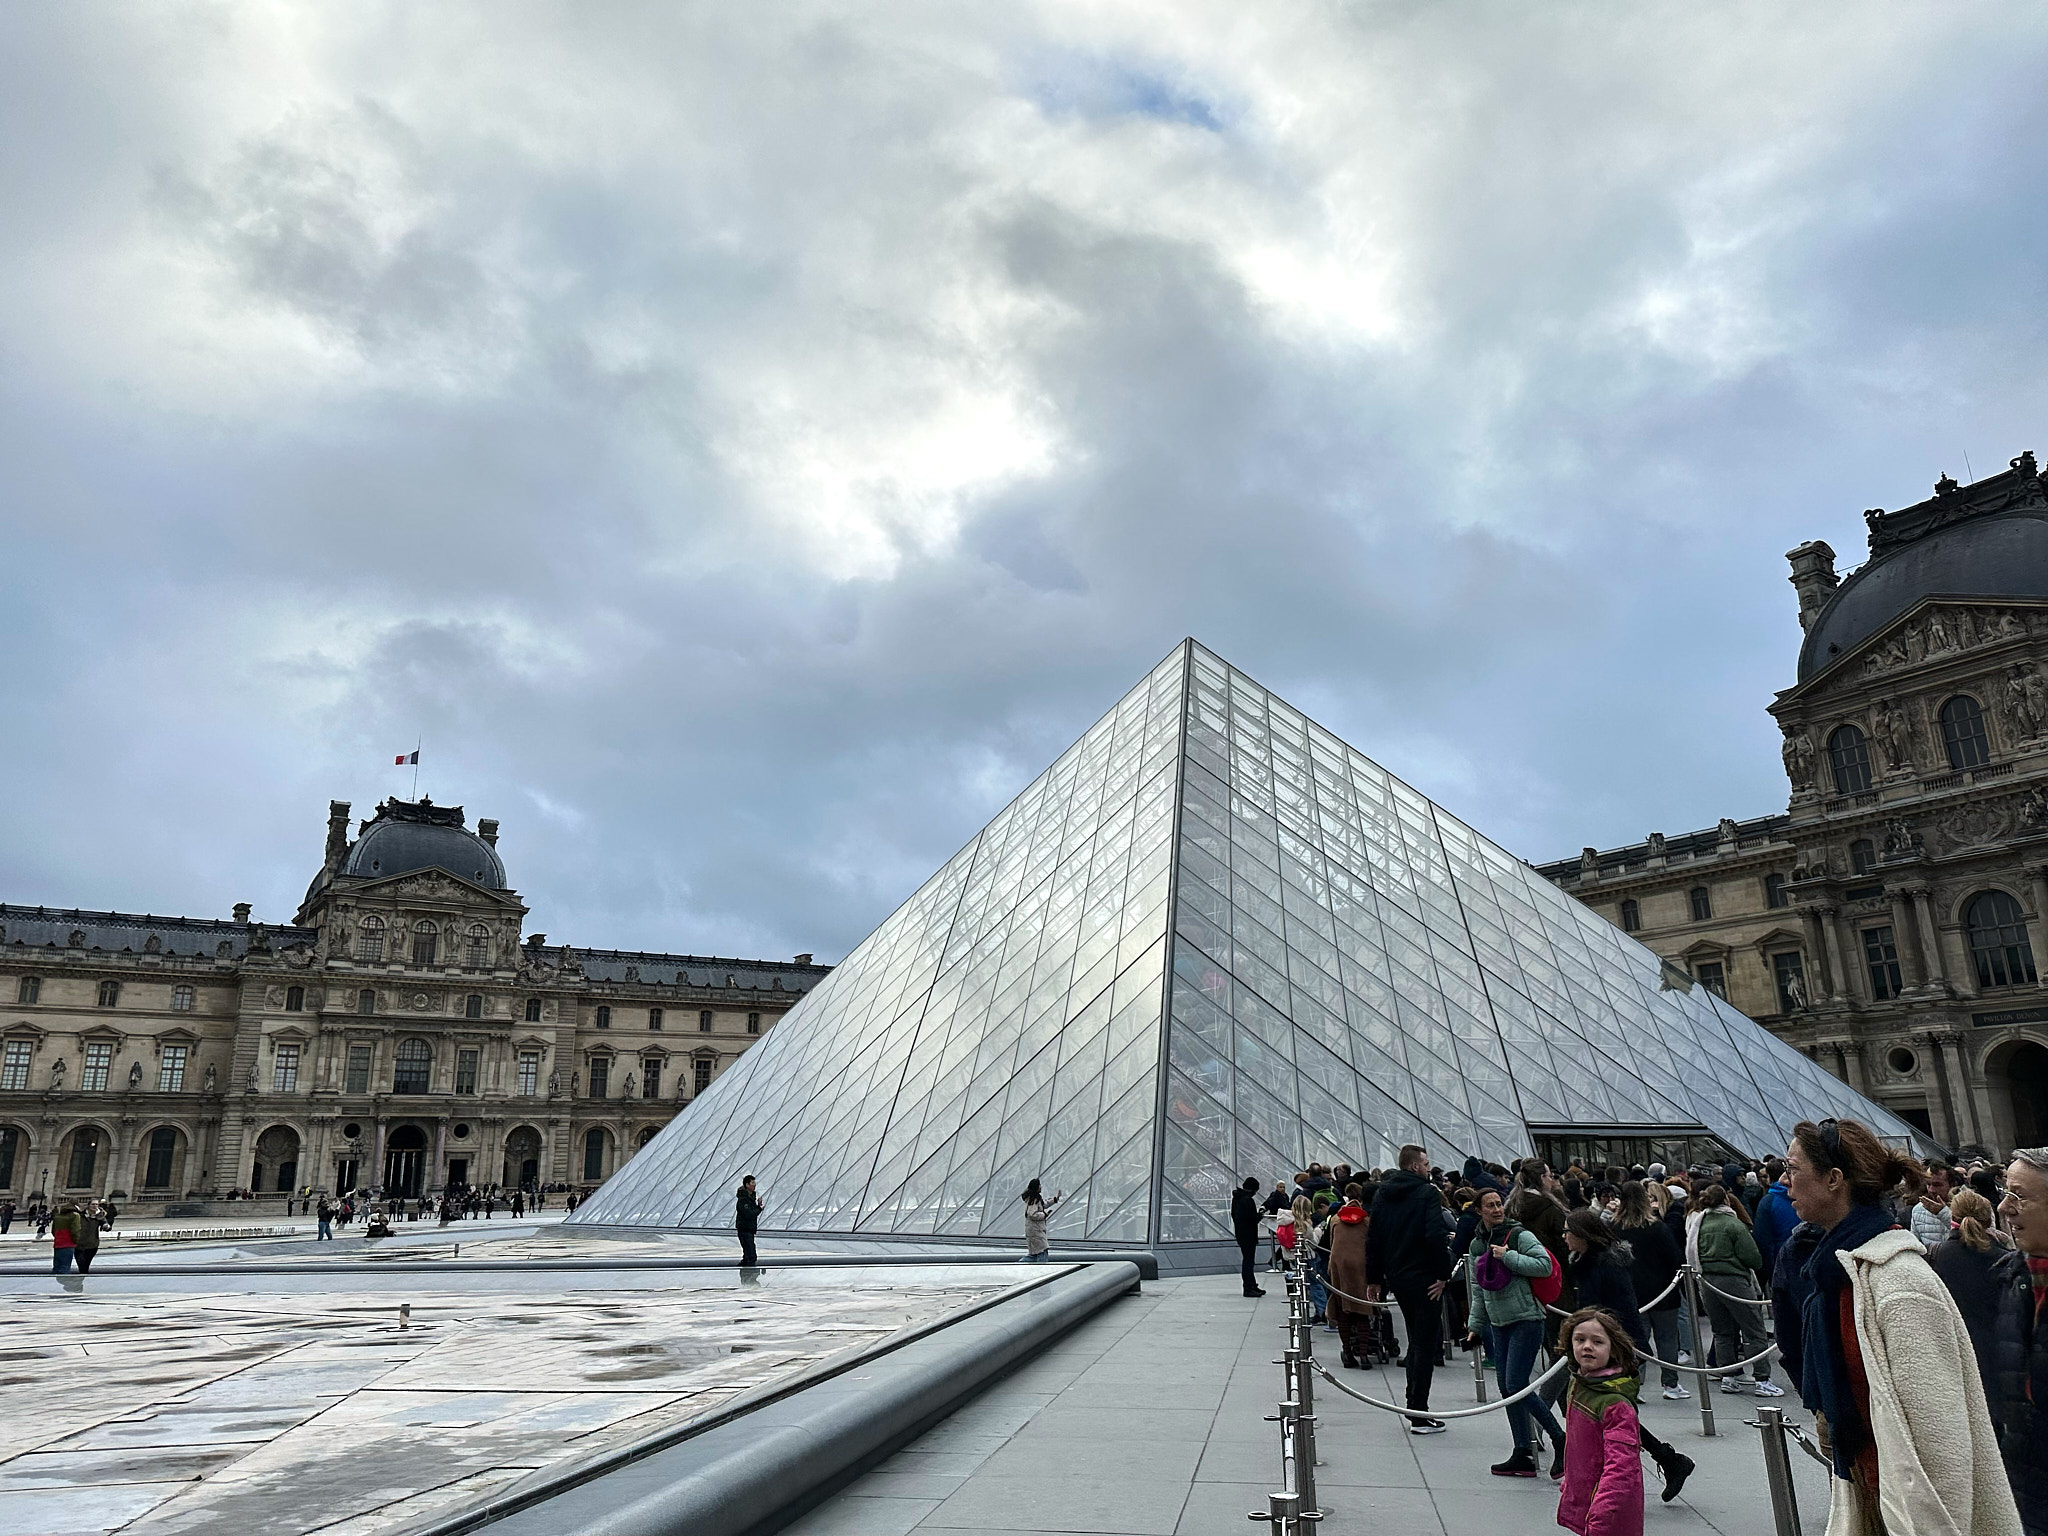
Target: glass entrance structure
(1210, 941)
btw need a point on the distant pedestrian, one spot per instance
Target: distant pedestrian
(1407, 1252)
(325, 1213)
(1929, 1218)
(746, 1218)
(1036, 1209)
(6, 1216)
(87, 1237)
(64, 1239)
(1244, 1226)
(1603, 1476)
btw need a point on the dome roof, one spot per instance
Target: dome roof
(406, 835)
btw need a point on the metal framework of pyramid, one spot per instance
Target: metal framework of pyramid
(1210, 940)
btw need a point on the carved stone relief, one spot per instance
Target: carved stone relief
(1942, 632)
(1976, 825)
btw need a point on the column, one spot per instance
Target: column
(1830, 930)
(1930, 937)
(1961, 1089)
(1906, 933)
(1852, 1060)
(1820, 985)
(2037, 924)
(1949, 1125)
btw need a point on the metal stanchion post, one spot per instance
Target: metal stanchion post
(1282, 1513)
(1479, 1371)
(1699, 1352)
(1778, 1472)
(1305, 1436)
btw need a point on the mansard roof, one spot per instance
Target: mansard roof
(118, 932)
(652, 969)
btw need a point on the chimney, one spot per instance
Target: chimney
(241, 911)
(1813, 578)
(803, 959)
(337, 834)
(487, 829)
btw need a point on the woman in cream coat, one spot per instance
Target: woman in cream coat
(1879, 1353)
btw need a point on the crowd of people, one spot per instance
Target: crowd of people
(1902, 1302)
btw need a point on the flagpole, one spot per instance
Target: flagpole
(416, 767)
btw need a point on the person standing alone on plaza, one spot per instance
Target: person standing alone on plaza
(1244, 1226)
(1407, 1252)
(87, 1236)
(1036, 1209)
(746, 1218)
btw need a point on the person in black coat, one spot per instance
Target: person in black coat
(1967, 1262)
(2017, 1390)
(1244, 1226)
(1656, 1255)
(1406, 1252)
(746, 1217)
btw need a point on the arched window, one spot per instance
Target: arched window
(1962, 732)
(415, 1067)
(424, 938)
(1849, 760)
(593, 1154)
(1862, 856)
(294, 1000)
(370, 939)
(366, 1001)
(476, 952)
(533, 1010)
(473, 1006)
(1702, 903)
(1631, 917)
(1774, 891)
(1998, 940)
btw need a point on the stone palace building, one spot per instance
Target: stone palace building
(400, 1032)
(1892, 921)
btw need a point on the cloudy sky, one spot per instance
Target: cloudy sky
(744, 444)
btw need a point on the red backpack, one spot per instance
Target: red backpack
(1548, 1288)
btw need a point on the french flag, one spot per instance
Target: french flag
(406, 757)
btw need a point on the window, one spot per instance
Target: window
(284, 1070)
(29, 989)
(1849, 760)
(654, 1018)
(182, 998)
(1712, 975)
(650, 1077)
(1962, 733)
(110, 994)
(415, 1067)
(600, 1077)
(99, 1060)
(1631, 916)
(529, 1073)
(533, 1010)
(370, 939)
(704, 1022)
(356, 1078)
(10, 1144)
(85, 1156)
(604, 1016)
(366, 1001)
(163, 1148)
(1862, 856)
(170, 1070)
(466, 1062)
(1702, 903)
(1774, 891)
(476, 950)
(702, 1075)
(1788, 970)
(1881, 952)
(425, 936)
(1998, 940)
(593, 1154)
(14, 1064)
(294, 999)
(473, 1006)
(753, 1023)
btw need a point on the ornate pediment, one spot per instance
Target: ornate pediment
(1935, 630)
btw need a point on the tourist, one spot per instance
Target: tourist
(1654, 1258)
(746, 1217)
(107, 1214)
(1407, 1254)
(1967, 1262)
(1929, 1218)
(1774, 1216)
(2017, 1386)
(1536, 1206)
(324, 1214)
(1349, 1237)
(1036, 1208)
(1880, 1355)
(64, 1238)
(6, 1215)
(1505, 1313)
(1316, 1258)
(86, 1235)
(1244, 1226)
(1731, 1269)
(1603, 1478)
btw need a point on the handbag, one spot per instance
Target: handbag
(1489, 1273)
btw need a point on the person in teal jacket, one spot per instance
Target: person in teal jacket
(1504, 1258)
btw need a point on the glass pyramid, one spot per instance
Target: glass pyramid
(1211, 940)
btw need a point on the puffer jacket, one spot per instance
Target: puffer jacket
(1514, 1302)
(1726, 1247)
(1603, 1464)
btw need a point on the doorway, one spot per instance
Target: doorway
(522, 1159)
(458, 1172)
(405, 1162)
(2026, 1076)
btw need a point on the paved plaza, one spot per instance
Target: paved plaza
(1149, 1420)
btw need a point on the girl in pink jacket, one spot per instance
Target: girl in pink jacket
(1603, 1470)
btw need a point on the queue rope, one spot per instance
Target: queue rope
(1438, 1413)
(1806, 1444)
(1726, 1296)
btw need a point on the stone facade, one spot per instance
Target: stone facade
(401, 1031)
(1891, 922)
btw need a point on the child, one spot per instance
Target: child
(1603, 1477)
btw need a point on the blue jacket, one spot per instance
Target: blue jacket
(1773, 1223)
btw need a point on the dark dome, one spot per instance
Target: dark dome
(400, 840)
(2001, 556)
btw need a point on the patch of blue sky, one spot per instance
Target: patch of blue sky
(1097, 86)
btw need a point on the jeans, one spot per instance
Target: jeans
(748, 1258)
(1688, 1335)
(1738, 1327)
(1422, 1319)
(1513, 1348)
(1318, 1283)
(1663, 1326)
(327, 1226)
(60, 1260)
(1249, 1247)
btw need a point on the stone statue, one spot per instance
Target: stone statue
(1894, 734)
(2025, 466)
(1656, 845)
(575, 1084)
(631, 1085)
(1939, 636)
(2034, 809)
(57, 1075)
(134, 1076)
(210, 1070)
(1900, 838)
(1589, 864)
(554, 1084)
(1727, 833)
(1798, 753)
(2034, 687)
(1795, 989)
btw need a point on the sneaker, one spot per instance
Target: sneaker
(1677, 1395)
(1676, 1468)
(1767, 1389)
(1521, 1464)
(1733, 1385)
(1685, 1357)
(1427, 1426)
